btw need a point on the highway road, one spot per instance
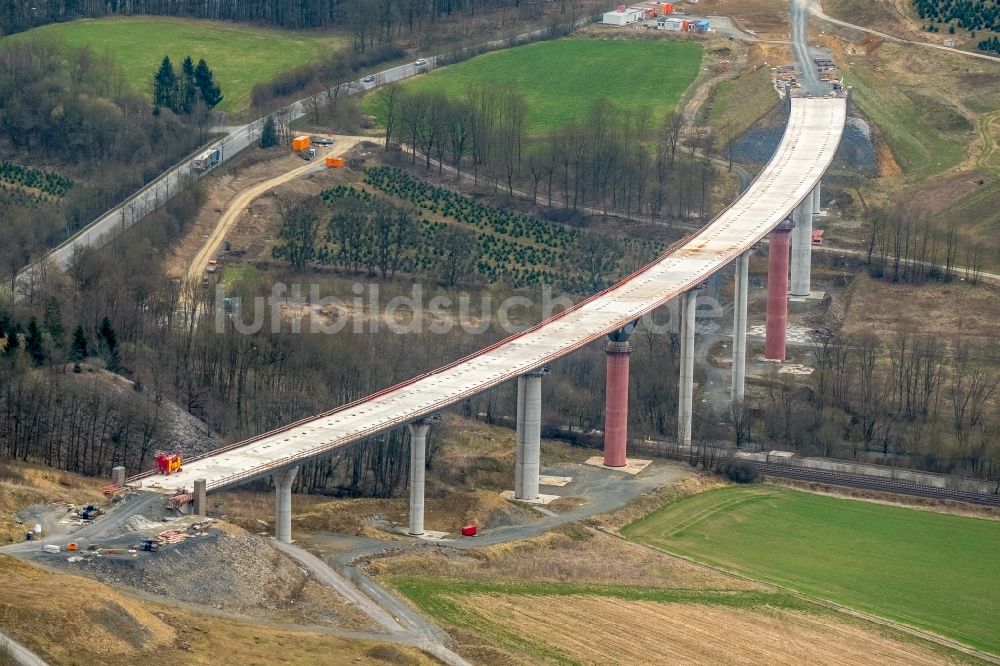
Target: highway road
(810, 140)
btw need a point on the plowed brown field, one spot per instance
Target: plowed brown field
(600, 630)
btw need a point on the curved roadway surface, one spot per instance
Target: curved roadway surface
(806, 150)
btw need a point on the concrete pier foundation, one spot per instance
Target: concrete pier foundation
(200, 497)
(528, 436)
(118, 476)
(801, 279)
(418, 471)
(617, 350)
(685, 399)
(283, 503)
(741, 292)
(777, 292)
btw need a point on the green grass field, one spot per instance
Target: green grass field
(738, 103)
(933, 571)
(239, 55)
(561, 79)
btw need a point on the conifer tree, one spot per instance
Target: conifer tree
(34, 343)
(211, 93)
(165, 84)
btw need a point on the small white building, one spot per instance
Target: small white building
(623, 16)
(665, 23)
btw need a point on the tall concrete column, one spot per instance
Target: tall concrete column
(801, 280)
(519, 437)
(283, 503)
(418, 470)
(200, 497)
(617, 350)
(685, 400)
(741, 292)
(529, 417)
(777, 292)
(118, 475)
(815, 197)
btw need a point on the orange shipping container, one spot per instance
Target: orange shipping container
(301, 143)
(335, 162)
(667, 8)
(686, 25)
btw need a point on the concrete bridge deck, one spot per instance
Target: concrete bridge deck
(806, 150)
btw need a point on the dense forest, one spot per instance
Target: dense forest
(370, 20)
(73, 108)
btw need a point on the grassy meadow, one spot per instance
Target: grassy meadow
(561, 79)
(240, 56)
(934, 571)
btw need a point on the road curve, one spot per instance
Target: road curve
(230, 215)
(815, 7)
(810, 140)
(22, 655)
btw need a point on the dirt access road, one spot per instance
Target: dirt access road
(230, 216)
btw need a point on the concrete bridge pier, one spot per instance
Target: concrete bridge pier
(617, 350)
(777, 292)
(528, 435)
(685, 399)
(801, 280)
(741, 292)
(200, 497)
(418, 471)
(283, 503)
(817, 209)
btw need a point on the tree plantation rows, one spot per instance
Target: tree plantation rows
(611, 160)
(47, 182)
(971, 15)
(451, 237)
(74, 108)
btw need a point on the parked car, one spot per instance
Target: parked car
(368, 79)
(420, 62)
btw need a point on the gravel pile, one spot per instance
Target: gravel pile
(228, 569)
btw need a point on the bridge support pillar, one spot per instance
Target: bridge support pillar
(528, 436)
(777, 292)
(741, 292)
(617, 350)
(817, 209)
(118, 476)
(418, 470)
(200, 497)
(283, 503)
(801, 280)
(685, 399)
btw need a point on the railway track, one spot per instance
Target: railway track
(874, 483)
